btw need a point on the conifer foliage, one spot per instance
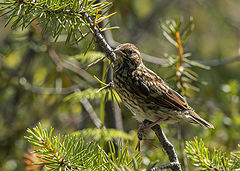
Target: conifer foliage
(70, 152)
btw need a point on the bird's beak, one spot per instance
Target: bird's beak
(119, 52)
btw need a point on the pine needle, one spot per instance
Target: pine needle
(95, 62)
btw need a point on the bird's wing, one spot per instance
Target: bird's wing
(154, 89)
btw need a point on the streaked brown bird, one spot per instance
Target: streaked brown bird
(146, 95)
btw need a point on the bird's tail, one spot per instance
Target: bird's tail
(195, 118)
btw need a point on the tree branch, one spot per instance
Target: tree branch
(166, 166)
(167, 146)
(65, 63)
(113, 112)
(100, 39)
(92, 114)
(86, 104)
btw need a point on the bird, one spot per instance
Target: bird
(146, 94)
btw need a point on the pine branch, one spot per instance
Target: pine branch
(100, 39)
(68, 152)
(203, 159)
(178, 36)
(58, 16)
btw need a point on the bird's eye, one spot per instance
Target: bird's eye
(130, 51)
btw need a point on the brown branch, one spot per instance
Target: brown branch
(95, 62)
(86, 104)
(113, 115)
(92, 114)
(64, 63)
(166, 166)
(181, 64)
(167, 146)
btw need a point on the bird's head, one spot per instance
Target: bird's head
(128, 54)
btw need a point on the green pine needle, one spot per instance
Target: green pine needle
(70, 152)
(204, 159)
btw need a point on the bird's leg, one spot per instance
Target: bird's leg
(140, 133)
(143, 127)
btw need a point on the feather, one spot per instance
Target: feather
(198, 120)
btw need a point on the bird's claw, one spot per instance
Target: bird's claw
(138, 145)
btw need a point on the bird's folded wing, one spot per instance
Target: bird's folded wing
(156, 90)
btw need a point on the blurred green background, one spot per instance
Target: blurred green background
(28, 73)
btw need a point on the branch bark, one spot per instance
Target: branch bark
(166, 166)
(100, 39)
(113, 115)
(167, 146)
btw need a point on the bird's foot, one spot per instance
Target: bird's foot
(140, 134)
(142, 128)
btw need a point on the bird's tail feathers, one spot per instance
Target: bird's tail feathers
(198, 120)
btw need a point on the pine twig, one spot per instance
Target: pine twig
(61, 63)
(100, 39)
(95, 62)
(92, 114)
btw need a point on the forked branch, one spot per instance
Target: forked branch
(168, 148)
